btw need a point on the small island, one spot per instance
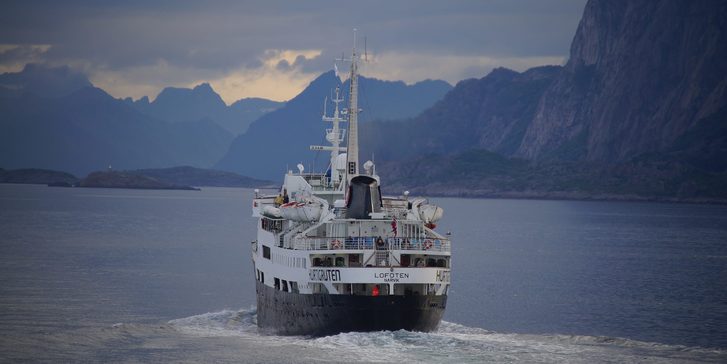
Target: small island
(115, 179)
(172, 178)
(37, 176)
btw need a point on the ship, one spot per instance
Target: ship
(334, 255)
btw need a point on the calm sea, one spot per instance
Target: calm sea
(105, 275)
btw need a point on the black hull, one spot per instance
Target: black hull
(285, 313)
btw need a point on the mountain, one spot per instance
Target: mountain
(490, 113)
(643, 77)
(42, 81)
(203, 103)
(481, 173)
(191, 176)
(183, 104)
(282, 137)
(88, 129)
(639, 111)
(36, 176)
(641, 74)
(116, 179)
(245, 111)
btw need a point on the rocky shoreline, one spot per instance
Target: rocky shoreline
(556, 195)
(113, 179)
(174, 178)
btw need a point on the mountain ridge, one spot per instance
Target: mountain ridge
(640, 75)
(177, 104)
(282, 137)
(88, 129)
(642, 102)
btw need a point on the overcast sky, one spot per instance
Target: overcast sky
(273, 49)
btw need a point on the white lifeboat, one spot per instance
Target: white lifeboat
(301, 211)
(270, 211)
(430, 214)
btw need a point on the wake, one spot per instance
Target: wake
(451, 342)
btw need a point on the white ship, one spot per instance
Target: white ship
(333, 255)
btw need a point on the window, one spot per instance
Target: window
(262, 277)
(266, 252)
(277, 283)
(285, 286)
(272, 225)
(294, 287)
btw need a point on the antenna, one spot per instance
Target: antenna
(366, 57)
(354, 38)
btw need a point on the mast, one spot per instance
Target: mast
(333, 136)
(352, 152)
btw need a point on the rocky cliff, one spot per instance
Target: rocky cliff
(490, 113)
(638, 112)
(641, 74)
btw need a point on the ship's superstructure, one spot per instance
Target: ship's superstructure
(333, 255)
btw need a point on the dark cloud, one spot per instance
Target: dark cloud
(225, 35)
(137, 47)
(21, 53)
(283, 65)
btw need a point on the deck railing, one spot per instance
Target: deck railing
(370, 243)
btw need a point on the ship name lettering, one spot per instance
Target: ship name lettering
(392, 276)
(324, 275)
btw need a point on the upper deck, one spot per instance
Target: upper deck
(318, 218)
(352, 234)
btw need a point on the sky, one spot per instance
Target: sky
(273, 49)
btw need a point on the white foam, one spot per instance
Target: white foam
(221, 323)
(451, 343)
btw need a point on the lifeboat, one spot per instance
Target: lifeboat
(301, 211)
(272, 212)
(430, 214)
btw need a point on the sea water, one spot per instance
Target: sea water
(108, 275)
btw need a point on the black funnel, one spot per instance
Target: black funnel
(364, 197)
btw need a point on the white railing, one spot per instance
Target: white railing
(370, 243)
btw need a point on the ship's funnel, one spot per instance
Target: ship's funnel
(364, 197)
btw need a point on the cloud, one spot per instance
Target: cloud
(413, 67)
(13, 57)
(268, 79)
(175, 43)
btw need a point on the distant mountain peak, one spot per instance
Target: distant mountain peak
(179, 96)
(297, 123)
(501, 72)
(202, 103)
(204, 87)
